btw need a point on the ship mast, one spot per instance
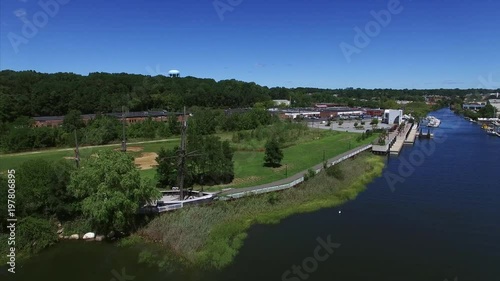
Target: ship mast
(181, 168)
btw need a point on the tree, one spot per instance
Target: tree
(167, 170)
(42, 189)
(212, 163)
(374, 122)
(72, 121)
(111, 190)
(274, 154)
(102, 130)
(488, 111)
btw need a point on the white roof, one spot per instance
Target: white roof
(173, 71)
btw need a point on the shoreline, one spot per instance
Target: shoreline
(213, 234)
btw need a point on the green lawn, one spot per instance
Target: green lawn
(13, 161)
(249, 169)
(248, 165)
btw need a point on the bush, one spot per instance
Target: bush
(336, 172)
(273, 198)
(35, 234)
(310, 174)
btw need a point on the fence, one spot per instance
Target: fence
(295, 182)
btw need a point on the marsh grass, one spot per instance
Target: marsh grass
(211, 236)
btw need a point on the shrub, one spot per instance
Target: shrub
(336, 172)
(35, 234)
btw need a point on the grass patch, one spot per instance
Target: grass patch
(211, 236)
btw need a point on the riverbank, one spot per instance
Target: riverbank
(211, 236)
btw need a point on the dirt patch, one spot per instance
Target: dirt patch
(238, 181)
(146, 161)
(131, 148)
(69, 158)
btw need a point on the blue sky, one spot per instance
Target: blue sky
(293, 43)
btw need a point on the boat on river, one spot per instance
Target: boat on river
(433, 122)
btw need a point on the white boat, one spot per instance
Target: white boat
(491, 132)
(433, 122)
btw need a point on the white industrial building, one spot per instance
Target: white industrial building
(392, 116)
(281, 102)
(496, 104)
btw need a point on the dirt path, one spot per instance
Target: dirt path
(83, 147)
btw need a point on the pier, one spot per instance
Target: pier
(412, 135)
(400, 140)
(395, 140)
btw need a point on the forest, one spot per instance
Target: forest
(30, 93)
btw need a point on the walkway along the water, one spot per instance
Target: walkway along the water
(290, 181)
(282, 184)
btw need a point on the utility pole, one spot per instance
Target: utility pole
(124, 143)
(77, 152)
(182, 157)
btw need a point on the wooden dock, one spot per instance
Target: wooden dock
(400, 140)
(412, 135)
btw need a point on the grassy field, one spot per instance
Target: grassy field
(211, 236)
(13, 161)
(303, 152)
(249, 169)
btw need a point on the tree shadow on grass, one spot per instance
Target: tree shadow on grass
(272, 165)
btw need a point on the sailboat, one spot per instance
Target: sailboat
(178, 196)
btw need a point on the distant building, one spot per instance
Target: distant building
(281, 102)
(392, 116)
(130, 117)
(403, 102)
(474, 106)
(496, 104)
(174, 73)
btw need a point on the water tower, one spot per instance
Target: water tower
(174, 73)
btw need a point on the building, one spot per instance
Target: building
(474, 106)
(174, 73)
(392, 116)
(282, 103)
(130, 117)
(496, 104)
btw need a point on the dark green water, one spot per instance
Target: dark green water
(441, 222)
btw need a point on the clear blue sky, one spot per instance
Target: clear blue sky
(292, 43)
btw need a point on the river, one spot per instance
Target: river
(437, 218)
